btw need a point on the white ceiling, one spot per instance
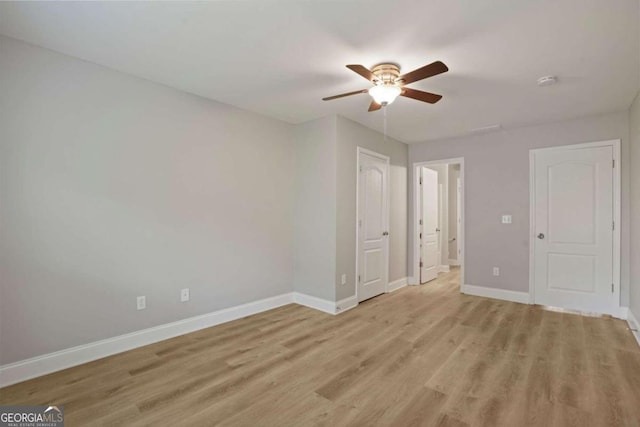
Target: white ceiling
(280, 58)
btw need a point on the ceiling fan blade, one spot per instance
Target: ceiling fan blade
(363, 71)
(329, 98)
(431, 98)
(374, 106)
(430, 70)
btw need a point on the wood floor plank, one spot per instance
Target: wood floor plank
(423, 355)
(423, 409)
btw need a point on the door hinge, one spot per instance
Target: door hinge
(420, 264)
(358, 278)
(613, 225)
(420, 222)
(614, 163)
(359, 223)
(612, 288)
(420, 235)
(420, 180)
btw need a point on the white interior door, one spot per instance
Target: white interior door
(373, 208)
(429, 211)
(458, 218)
(573, 249)
(439, 226)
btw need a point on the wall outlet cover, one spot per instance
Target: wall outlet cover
(141, 302)
(506, 219)
(184, 295)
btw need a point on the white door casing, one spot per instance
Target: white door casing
(429, 212)
(373, 224)
(573, 225)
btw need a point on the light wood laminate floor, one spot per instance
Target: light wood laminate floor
(423, 355)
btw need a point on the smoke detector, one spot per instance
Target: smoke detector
(547, 80)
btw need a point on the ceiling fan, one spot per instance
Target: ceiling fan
(388, 83)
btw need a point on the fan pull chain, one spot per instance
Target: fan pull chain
(384, 126)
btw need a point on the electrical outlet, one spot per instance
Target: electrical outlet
(344, 279)
(496, 271)
(184, 295)
(506, 219)
(141, 302)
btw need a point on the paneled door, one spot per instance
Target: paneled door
(373, 223)
(429, 233)
(573, 228)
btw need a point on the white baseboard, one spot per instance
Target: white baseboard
(397, 284)
(616, 312)
(454, 262)
(41, 365)
(620, 313)
(346, 304)
(52, 362)
(503, 294)
(634, 324)
(324, 305)
(314, 302)
(443, 269)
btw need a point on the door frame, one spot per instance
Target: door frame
(387, 159)
(617, 173)
(415, 280)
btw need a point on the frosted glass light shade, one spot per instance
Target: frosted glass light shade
(384, 94)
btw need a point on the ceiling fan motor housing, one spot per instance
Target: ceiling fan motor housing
(386, 73)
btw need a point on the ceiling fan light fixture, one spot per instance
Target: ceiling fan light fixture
(384, 94)
(389, 83)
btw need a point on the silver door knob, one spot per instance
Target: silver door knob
(386, 233)
(437, 230)
(540, 236)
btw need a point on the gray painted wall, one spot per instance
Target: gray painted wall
(350, 136)
(634, 137)
(114, 187)
(497, 182)
(105, 200)
(315, 209)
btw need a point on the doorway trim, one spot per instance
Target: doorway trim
(387, 159)
(416, 214)
(617, 173)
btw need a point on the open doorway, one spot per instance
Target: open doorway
(439, 221)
